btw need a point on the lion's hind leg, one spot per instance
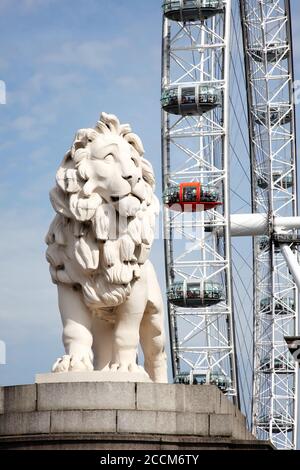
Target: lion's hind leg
(153, 345)
(102, 345)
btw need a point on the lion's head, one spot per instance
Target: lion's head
(106, 210)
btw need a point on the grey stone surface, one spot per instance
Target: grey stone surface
(20, 398)
(239, 426)
(226, 406)
(86, 396)
(125, 441)
(159, 422)
(25, 423)
(170, 397)
(1, 400)
(203, 399)
(192, 423)
(92, 376)
(199, 416)
(160, 397)
(83, 421)
(162, 422)
(240, 430)
(221, 425)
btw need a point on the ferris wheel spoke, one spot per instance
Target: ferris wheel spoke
(193, 153)
(269, 74)
(198, 140)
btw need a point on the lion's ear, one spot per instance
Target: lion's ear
(136, 142)
(102, 128)
(108, 122)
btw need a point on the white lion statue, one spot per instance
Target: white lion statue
(98, 247)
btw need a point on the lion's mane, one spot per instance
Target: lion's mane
(86, 247)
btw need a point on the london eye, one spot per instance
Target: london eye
(230, 204)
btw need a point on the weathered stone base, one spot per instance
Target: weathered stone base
(113, 416)
(93, 376)
(125, 442)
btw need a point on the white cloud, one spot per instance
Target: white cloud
(42, 82)
(41, 113)
(128, 82)
(24, 123)
(25, 5)
(33, 126)
(38, 154)
(95, 55)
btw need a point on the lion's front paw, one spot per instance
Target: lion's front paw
(126, 367)
(74, 363)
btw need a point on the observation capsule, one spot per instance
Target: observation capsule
(195, 195)
(274, 52)
(279, 115)
(284, 306)
(283, 182)
(191, 10)
(191, 99)
(282, 365)
(195, 294)
(220, 380)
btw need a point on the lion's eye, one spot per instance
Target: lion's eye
(135, 161)
(109, 158)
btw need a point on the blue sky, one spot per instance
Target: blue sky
(63, 62)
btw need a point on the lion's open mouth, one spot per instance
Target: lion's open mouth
(119, 198)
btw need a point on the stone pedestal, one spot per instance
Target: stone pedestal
(123, 416)
(92, 376)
